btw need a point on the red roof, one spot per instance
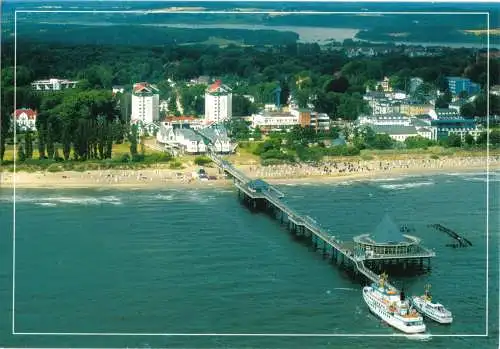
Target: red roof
(180, 118)
(215, 86)
(30, 113)
(138, 87)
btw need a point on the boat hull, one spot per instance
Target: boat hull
(442, 320)
(389, 319)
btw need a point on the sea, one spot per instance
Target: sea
(194, 268)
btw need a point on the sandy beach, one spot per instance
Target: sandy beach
(279, 174)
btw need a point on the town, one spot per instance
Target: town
(303, 118)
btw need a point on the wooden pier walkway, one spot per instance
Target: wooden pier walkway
(272, 198)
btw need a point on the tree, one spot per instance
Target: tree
(172, 104)
(469, 140)
(382, 141)
(418, 142)
(66, 140)
(453, 141)
(468, 110)
(133, 135)
(495, 138)
(28, 140)
(21, 155)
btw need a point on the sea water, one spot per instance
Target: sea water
(195, 261)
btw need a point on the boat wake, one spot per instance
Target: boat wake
(345, 289)
(423, 337)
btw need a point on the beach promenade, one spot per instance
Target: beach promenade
(323, 173)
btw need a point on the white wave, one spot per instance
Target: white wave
(482, 179)
(164, 197)
(406, 185)
(424, 337)
(345, 289)
(72, 200)
(47, 204)
(384, 179)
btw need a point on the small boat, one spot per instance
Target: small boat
(434, 311)
(392, 307)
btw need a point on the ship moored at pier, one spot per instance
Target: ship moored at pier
(392, 307)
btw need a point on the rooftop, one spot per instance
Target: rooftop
(30, 113)
(394, 129)
(258, 185)
(144, 87)
(189, 134)
(387, 232)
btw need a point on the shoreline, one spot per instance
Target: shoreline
(158, 179)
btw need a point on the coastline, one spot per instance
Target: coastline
(163, 178)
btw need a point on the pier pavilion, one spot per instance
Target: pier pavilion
(387, 246)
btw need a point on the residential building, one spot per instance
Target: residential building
(456, 125)
(456, 105)
(386, 87)
(218, 102)
(53, 84)
(163, 105)
(183, 122)
(320, 121)
(495, 90)
(145, 103)
(25, 119)
(268, 121)
(118, 89)
(415, 83)
(414, 109)
(384, 120)
(201, 80)
(397, 132)
(424, 128)
(182, 140)
(438, 113)
(458, 84)
(218, 139)
(382, 103)
(143, 127)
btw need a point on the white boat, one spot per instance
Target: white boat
(392, 307)
(434, 311)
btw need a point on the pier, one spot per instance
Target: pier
(259, 195)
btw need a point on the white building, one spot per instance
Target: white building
(53, 84)
(219, 139)
(25, 119)
(218, 102)
(163, 105)
(145, 103)
(384, 120)
(424, 128)
(397, 133)
(274, 121)
(183, 139)
(118, 89)
(320, 121)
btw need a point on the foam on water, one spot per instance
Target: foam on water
(406, 185)
(164, 197)
(71, 200)
(345, 289)
(424, 337)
